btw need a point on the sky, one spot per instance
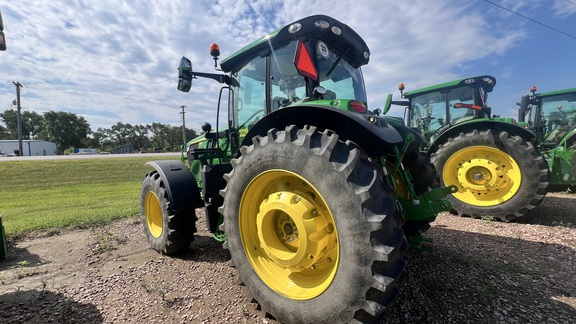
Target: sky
(113, 61)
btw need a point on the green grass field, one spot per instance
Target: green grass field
(59, 193)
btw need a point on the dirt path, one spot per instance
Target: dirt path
(480, 272)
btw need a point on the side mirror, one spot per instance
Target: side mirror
(387, 104)
(185, 75)
(2, 38)
(2, 41)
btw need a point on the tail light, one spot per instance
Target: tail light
(358, 106)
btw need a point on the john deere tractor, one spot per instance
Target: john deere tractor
(551, 116)
(314, 195)
(493, 161)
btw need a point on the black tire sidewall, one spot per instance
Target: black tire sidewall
(532, 188)
(347, 291)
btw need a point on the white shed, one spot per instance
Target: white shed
(29, 147)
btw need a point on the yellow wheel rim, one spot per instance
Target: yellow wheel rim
(289, 234)
(485, 176)
(153, 214)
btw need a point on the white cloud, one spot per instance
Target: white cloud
(112, 61)
(564, 8)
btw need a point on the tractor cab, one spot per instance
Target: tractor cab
(551, 115)
(314, 61)
(434, 109)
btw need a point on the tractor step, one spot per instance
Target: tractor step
(219, 236)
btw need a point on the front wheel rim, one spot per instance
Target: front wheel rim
(289, 234)
(153, 212)
(485, 176)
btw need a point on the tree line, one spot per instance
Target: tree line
(69, 130)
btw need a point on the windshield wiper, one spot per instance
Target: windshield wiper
(336, 62)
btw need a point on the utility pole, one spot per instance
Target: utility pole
(18, 85)
(183, 125)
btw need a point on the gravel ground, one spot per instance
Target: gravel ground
(481, 271)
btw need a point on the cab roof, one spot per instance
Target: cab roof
(349, 42)
(554, 93)
(486, 81)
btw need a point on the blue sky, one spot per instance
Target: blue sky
(116, 61)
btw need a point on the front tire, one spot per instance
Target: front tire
(497, 175)
(312, 228)
(167, 231)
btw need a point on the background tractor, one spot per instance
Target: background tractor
(492, 160)
(312, 193)
(551, 116)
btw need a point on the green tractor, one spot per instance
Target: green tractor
(314, 195)
(551, 116)
(492, 160)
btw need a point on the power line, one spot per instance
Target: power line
(533, 20)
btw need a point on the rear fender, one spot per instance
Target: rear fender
(183, 192)
(371, 133)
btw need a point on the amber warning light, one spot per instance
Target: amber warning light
(214, 50)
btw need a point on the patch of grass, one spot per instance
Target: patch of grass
(59, 193)
(569, 190)
(563, 224)
(108, 241)
(488, 218)
(157, 286)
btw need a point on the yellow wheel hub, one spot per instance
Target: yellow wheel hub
(153, 214)
(485, 176)
(289, 234)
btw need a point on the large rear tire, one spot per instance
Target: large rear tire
(497, 175)
(312, 228)
(168, 232)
